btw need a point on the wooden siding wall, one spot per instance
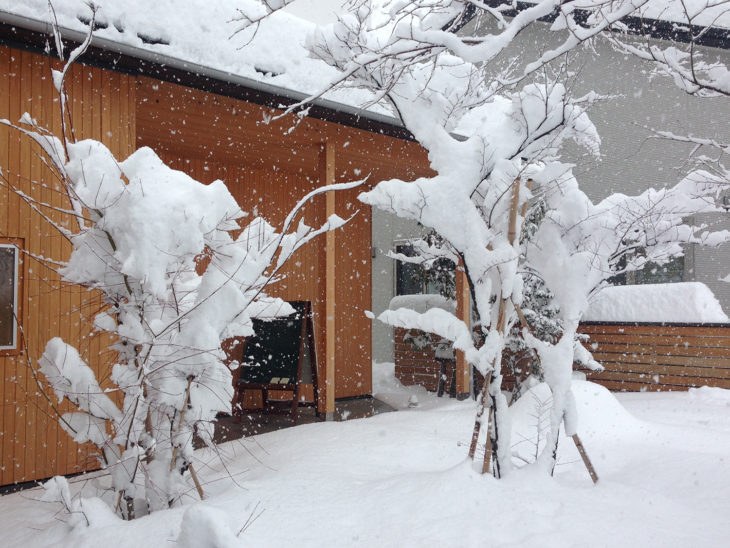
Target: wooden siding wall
(659, 357)
(102, 105)
(272, 194)
(268, 167)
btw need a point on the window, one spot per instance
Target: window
(415, 279)
(651, 273)
(9, 290)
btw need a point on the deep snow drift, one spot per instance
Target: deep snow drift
(401, 479)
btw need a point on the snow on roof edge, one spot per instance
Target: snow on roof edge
(105, 44)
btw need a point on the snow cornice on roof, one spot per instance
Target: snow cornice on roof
(37, 36)
(714, 37)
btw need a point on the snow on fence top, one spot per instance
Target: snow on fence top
(421, 303)
(202, 32)
(686, 302)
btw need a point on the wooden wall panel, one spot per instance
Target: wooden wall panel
(268, 167)
(353, 297)
(32, 446)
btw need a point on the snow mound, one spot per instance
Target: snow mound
(206, 527)
(711, 394)
(598, 410)
(388, 389)
(685, 302)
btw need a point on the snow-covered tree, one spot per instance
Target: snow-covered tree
(159, 247)
(492, 123)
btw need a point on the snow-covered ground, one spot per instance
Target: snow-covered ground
(401, 479)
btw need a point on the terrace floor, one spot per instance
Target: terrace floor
(254, 423)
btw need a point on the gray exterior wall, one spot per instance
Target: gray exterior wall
(387, 231)
(631, 160)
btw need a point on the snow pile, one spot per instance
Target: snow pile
(201, 32)
(396, 480)
(685, 302)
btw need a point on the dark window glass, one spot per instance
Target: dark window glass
(408, 276)
(7, 296)
(651, 273)
(414, 278)
(671, 272)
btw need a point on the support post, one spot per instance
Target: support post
(328, 171)
(463, 311)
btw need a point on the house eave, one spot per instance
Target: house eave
(37, 36)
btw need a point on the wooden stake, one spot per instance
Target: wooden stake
(195, 480)
(488, 447)
(175, 449)
(578, 444)
(512, 234)
(480, 412)
(523, 213)
(501, 328)
(586, 460)
(180, 422)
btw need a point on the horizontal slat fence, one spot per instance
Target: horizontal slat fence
(659, 357)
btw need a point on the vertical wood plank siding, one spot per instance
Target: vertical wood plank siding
(32, 445)
(266, 166)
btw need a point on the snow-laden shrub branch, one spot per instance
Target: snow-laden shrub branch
(159, 247)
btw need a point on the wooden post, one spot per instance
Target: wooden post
(328, 171)
(586, 459)
(501, 329)
(463, 312)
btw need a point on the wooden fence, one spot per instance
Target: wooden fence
(649, 356)
(636, 357)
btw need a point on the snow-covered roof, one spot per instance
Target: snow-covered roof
(197, 35)
(706, 13)
(671, 14)
(685, 302)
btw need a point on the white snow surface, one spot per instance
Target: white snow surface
(684, 302)
(700, 12)
(422, 303)
(202, 32)
(401, 479)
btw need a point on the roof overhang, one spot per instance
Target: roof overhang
(37, 36)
